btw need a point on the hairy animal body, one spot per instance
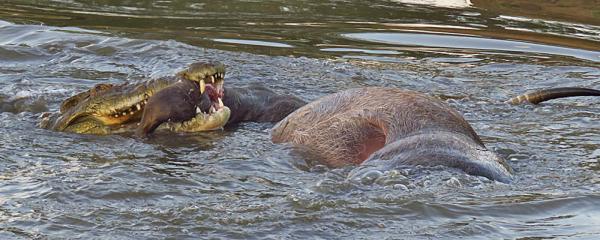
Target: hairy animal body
(258, 104)
(182, 101)
(387, 128)
(200, 94)
(176, 103)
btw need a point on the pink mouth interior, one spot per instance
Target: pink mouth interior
(214, 93)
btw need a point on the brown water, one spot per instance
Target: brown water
(236, 184)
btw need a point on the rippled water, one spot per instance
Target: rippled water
(236, 183)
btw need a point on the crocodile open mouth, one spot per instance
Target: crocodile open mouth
(211, 115)
(106, 108)
(215, 92)
(209, 76)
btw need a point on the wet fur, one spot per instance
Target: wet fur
(384, 128)
(258, 104)
(176, 103)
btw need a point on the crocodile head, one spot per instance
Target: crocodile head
(108, 109)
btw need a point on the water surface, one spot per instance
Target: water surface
(236, 183)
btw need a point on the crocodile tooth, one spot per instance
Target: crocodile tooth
(198, 110)
(212, 109)
(220, 103)
(212, 79)
(124, 113)
(138, 107)
(202, 86)
(116, 115)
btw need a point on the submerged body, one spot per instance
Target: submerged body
(373, 127)
(386, 128)
(258, 104)
(181, 101)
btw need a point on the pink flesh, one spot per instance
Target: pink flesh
(214, 94)
(372, 143)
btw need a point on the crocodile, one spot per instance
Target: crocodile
(112, 109)
(375, 128)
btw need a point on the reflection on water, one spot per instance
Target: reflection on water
(253, 42)
(310, 26)
(236, 183)
(447, 41)
(578, 11)
(439, 3)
